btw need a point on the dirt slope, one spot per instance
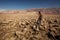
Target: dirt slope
(30, 25)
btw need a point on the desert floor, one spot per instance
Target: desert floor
(24, 27)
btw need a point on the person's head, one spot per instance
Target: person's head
(39, 13)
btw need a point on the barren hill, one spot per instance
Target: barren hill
(31, 24)
(43, 10)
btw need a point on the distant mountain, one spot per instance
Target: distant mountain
(47, 10)
(42, 10)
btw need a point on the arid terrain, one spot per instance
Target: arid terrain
(31, 24)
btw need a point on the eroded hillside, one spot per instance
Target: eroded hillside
(30, 25)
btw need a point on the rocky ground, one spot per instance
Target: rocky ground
(29, 26)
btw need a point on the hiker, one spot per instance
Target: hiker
(38, 23)
(39, 19)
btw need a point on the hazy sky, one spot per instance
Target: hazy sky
(26, 4)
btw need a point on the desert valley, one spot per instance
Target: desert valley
(30, 24)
